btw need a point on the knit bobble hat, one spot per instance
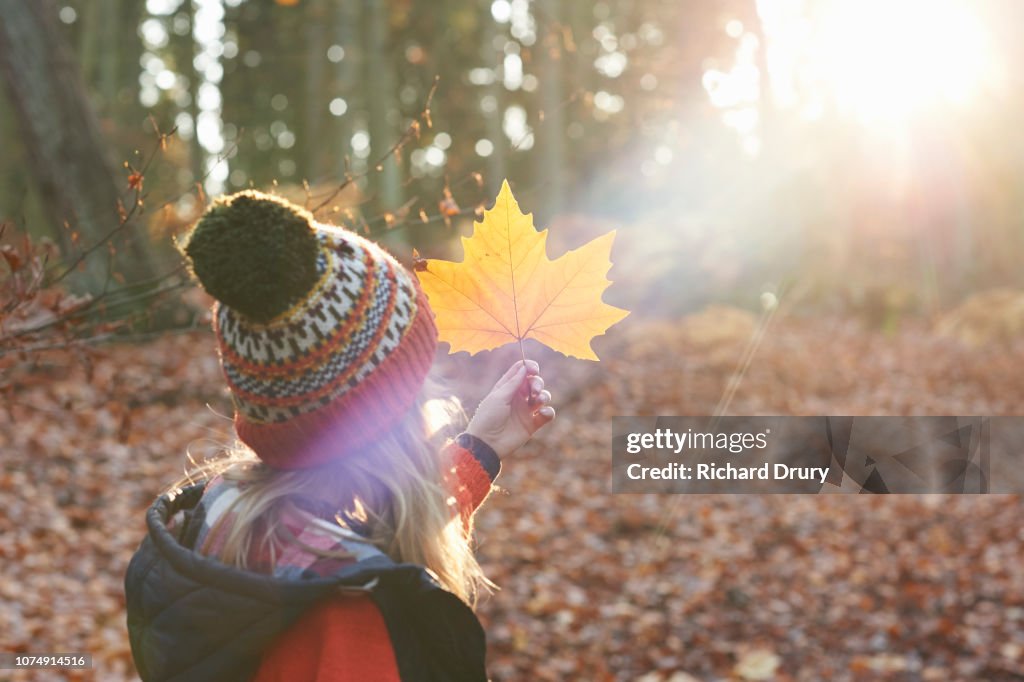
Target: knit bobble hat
(324, 338)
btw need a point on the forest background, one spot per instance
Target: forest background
(820, 210)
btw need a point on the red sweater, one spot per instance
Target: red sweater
(345, 639)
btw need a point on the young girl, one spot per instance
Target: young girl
(334, 543)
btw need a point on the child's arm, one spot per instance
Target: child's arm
(472, 466)
(511, 413)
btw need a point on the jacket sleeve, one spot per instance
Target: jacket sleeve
(345, 639)
(470, 467)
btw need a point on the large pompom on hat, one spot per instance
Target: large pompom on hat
(324, 338)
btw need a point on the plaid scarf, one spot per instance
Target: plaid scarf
(313, 535)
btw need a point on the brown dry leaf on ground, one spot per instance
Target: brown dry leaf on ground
(593, 586)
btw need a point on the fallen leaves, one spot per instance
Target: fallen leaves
(506, 288)
(990, 317)
(757, 664)
(12, 256)
(594, 586)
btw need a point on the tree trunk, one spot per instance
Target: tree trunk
(13, 183)
(347, 20)
(197, 155)
(66, 153)
(314, 104)
(551, 130)
(90, 45)
(496, 162)
(381, 90)
(109, 53)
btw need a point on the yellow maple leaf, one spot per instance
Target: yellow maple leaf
(507, 289)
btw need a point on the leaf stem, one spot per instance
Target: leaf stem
(529, 394)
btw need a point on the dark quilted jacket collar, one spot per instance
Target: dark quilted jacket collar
(193, 618)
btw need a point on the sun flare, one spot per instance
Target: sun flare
(889, 60)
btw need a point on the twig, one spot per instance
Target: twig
(95, 302)
(411, 132)
(126, 219)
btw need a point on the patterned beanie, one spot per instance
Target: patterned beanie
(324, 338)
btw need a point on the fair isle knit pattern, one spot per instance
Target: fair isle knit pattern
(336, 369)
(355, 317)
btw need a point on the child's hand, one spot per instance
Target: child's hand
(514, 410)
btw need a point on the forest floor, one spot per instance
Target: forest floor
(594, 586)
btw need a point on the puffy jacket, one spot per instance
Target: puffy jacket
(191, 617)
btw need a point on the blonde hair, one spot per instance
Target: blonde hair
(393, 491)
